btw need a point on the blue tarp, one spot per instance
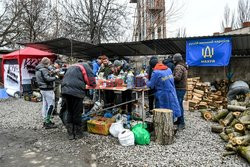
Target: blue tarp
(3, 94)
(209, 51)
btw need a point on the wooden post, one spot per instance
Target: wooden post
(163, 125)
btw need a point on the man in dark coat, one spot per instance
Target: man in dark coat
(180, 80)
(169, 63)
(152, 62)
(73, 90)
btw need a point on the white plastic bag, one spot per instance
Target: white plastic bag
(116, 128)
(126, 138)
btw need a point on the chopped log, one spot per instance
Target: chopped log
(199, 91)
(245, 113)
(236, 108)
(218, 93)
(195, 98)
(224, 136)
(230, 147)
(245, 120)
(239, 128)
(190, 82)
(229, 118)
(197, 95)
(244, 152)
(192, 103)
(202, 107)
(217, 128)
(248, 127)
(232, 141)
(236, 114)
(198, 84)
(190, 87)
(163, 124)
(235, 121)
(229, 130)
(221, 114)
(228, 153)
(247, 132)
(218, 102)
(206, 114)
(196, 79)
(233, 135)
(242, 140)
(214, 97)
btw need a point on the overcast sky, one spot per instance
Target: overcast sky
(201, 17)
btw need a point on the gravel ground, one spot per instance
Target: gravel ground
(23, 138)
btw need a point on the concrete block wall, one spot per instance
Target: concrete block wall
(240, 67)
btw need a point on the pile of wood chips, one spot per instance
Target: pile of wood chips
(200, 95)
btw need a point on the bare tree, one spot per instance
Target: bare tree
(228, 19)
(181, 32)
(36, 20)
(94, 20)
(9, 27)
(243, 12)
(174, 10)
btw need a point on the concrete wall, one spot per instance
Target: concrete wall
(240, 67)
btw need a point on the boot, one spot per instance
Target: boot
(49, 125)
(78, 131)
(70, 131)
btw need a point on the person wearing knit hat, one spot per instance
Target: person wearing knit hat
(117, 63)
(180, 79)
(177, 57)
(169, 63)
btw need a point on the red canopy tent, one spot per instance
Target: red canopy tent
(18, 68)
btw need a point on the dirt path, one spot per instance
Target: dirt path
(25, 147)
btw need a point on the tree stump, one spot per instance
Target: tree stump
(163, 125)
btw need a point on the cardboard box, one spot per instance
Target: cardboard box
(100, 125)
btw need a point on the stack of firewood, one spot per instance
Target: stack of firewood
(201, 96)
(234, 126)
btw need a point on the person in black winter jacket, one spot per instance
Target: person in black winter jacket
(169, 63)
(152, 62)
(73, 91)
(46, 86)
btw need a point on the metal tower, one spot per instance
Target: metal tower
(150, 20)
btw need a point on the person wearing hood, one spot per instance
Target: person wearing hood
(46, 85)
(162, 80)
(152, 62)
(180, 79)
(169, 63)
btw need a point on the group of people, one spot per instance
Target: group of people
(167, 81)
(72, 89)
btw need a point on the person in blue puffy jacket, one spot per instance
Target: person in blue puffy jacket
(162, 81)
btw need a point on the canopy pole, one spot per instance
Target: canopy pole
(71, 49)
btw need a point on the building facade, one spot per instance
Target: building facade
(150, 20)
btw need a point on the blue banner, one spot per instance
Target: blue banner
(209, 51)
